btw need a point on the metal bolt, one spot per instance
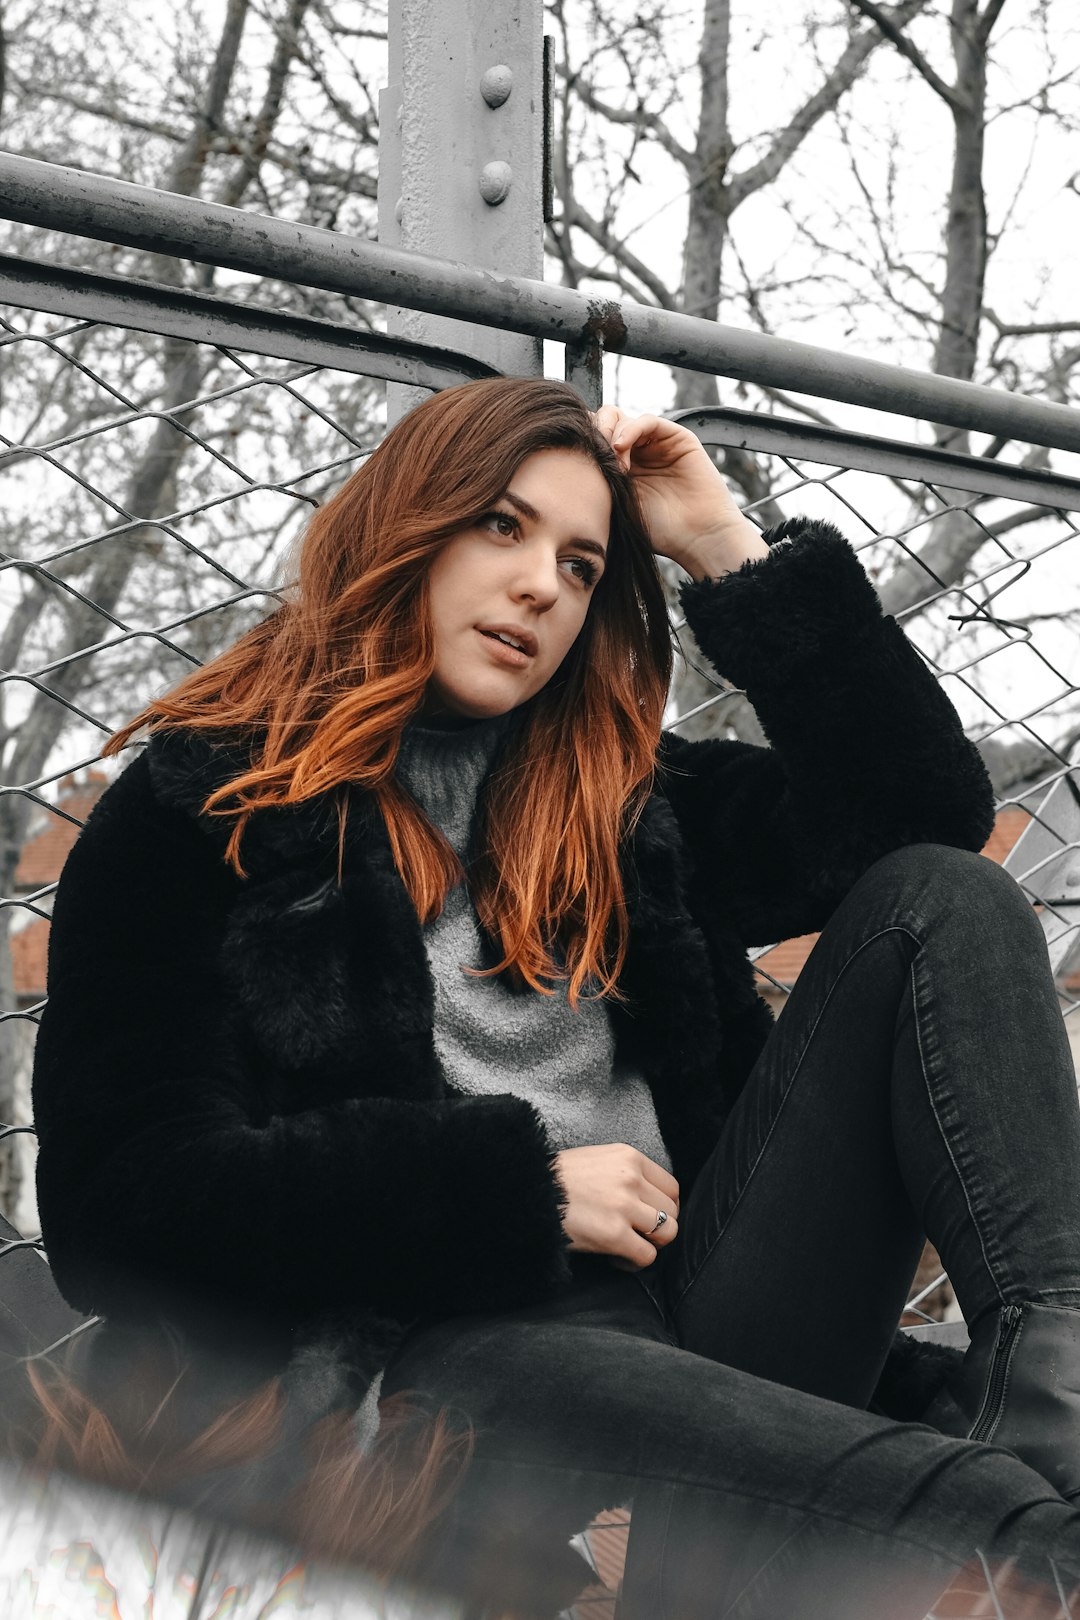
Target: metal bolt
(1072, 878)
(495, 182)
(496, 85)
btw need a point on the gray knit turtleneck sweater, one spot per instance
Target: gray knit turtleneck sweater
(492, 1039)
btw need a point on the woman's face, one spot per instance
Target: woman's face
(527, 569)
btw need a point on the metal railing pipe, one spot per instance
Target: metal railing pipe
(836, 447)
(63, 199)
(146, 306)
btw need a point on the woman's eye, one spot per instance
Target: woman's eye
(501, 517)
(589, 571)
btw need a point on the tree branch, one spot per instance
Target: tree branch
(340, 30)
(575, 214)
(363, 123)
(984, 25)
(187, 169)
(1038, 98)
(1035, 329)
(636, 116)
(246, 171)
(226, 141)
(576, 271)
(127, 120)
(877, 14)
(859, 47)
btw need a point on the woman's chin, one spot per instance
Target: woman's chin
(462, 706)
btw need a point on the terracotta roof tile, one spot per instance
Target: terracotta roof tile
(40, 863)
(1008, 826)
(44, 854)
(785, 961)
(29, 948)
(607, 1538)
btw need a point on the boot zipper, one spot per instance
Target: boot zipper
(990, 1411)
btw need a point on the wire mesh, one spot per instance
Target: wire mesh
(943, 560)
(155, 487)
(152, 487)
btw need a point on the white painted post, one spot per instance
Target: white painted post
(461, 160)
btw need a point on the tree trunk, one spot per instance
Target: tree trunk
(710, 199)
(956, 538)
(957, 347)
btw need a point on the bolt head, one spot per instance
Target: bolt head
(496, 84)
(495, 182)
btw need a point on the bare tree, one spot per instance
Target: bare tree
(960, 323)
(956, 539)
(855, 257)
(717, 185)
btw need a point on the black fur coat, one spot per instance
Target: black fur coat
(236, 1090)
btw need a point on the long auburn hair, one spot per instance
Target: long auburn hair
(321, 689)
(366, 1507)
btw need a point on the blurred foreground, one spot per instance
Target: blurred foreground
(69, 1550)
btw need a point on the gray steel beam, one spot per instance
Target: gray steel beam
(460, 161)
(835, 447)
(146, 306)
(584, 368)
(62, 199)
(152, 307)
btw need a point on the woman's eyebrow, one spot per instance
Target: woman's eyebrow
(533, 516)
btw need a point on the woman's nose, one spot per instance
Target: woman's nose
(537, 579)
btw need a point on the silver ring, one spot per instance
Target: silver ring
(660, 1219)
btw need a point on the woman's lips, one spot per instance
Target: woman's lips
(501, 650)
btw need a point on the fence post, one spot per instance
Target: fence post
(461, 161)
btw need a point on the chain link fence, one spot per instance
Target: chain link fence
(156, 485)
(161, 451)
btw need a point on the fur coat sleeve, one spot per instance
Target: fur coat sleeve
(868, 754)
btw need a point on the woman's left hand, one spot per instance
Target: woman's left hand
(688, 509)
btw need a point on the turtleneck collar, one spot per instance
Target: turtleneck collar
(443, 761)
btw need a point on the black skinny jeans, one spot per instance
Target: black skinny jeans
(919, 1081)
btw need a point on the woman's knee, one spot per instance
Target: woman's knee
(940, 879)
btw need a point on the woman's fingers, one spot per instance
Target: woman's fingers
(633, 428)
(613, 1196)
(663, 1181)
(642, 1245)
(623, 431)
(644, 1255)
(645, 1223)
(607, 419)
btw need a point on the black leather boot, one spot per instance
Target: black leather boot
(1019, 1387)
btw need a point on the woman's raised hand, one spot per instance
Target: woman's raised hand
(613, 1196)
(688, 509)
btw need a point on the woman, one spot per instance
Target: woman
(440, 1042)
